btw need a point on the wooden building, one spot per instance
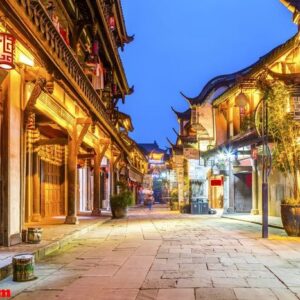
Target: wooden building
(63, 140)
(230, 147)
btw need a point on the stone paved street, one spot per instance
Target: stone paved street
(165, 255)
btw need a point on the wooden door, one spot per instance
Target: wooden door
(51, 190)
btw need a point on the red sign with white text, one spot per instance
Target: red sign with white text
(216, 182)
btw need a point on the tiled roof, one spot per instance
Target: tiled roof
(231, 79)
(214, 84)
(186, 115)
(151, 147)
(292, 4)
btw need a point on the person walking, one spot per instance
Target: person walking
(149, 201)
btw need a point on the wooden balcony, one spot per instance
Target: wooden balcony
(31, 17)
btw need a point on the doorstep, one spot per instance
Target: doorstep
(55, 236)
(274, 222)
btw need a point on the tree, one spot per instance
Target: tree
(283, 131)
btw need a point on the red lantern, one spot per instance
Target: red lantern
(7, 47)
(112, 23)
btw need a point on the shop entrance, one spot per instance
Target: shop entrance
(52, 193)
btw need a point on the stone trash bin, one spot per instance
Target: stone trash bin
(23, 267)
(34, 235)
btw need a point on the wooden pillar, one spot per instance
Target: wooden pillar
(71, 217)
(74, 142)
(36, 213)
(29, 172)
(97, 203)
(113, 169)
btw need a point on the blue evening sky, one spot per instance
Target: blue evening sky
(181, 44)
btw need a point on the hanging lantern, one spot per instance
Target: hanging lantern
(7, 47)
(241, 100)
(95, 47)
(112, 23)
(114, 89)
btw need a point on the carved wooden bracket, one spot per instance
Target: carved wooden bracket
(55, 141)
(78, 136)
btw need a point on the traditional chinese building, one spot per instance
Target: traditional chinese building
(230, 147)
(64, 145)
(157, 175)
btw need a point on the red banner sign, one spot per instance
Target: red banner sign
(216, 182)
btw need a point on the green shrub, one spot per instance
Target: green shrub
(122, 200)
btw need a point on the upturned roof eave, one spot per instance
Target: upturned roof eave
(267, 59)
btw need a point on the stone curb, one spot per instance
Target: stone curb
(6, 269)
(253, 222)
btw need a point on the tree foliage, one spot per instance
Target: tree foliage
(283, 131)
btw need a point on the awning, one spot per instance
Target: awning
(135, 176)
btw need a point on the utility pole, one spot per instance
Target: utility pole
(265, 208)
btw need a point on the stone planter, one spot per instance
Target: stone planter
(290, 216)
(119, 212)
(34, 235)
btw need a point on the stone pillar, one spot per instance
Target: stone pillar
(254, 210)
(71, 217)
(112, 180)
(226, 194)
(96, 203)
(36, 213)
(117, 188)
(229, 190)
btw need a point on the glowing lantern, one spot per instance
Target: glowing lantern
(112, 23)
(7, 46)
(241, 100)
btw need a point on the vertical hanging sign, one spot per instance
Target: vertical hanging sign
(7, 47)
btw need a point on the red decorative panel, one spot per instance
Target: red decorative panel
(216, 182)
(7, 46)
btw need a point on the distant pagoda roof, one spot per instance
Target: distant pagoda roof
(186, 115)
(148, 148)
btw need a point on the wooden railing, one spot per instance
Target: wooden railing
(40, 18)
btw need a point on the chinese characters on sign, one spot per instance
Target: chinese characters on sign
(7, 44)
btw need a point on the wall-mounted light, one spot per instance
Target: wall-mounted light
(7, 47)
(22, 58)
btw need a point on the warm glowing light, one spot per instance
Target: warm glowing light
(24, 59)
(227, 154)
(7, 47)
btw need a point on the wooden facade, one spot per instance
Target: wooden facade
(63, 140)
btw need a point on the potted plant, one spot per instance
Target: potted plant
(174, 204)
(283, 131)
(119, 203)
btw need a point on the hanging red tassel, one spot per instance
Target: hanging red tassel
(112, 23)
